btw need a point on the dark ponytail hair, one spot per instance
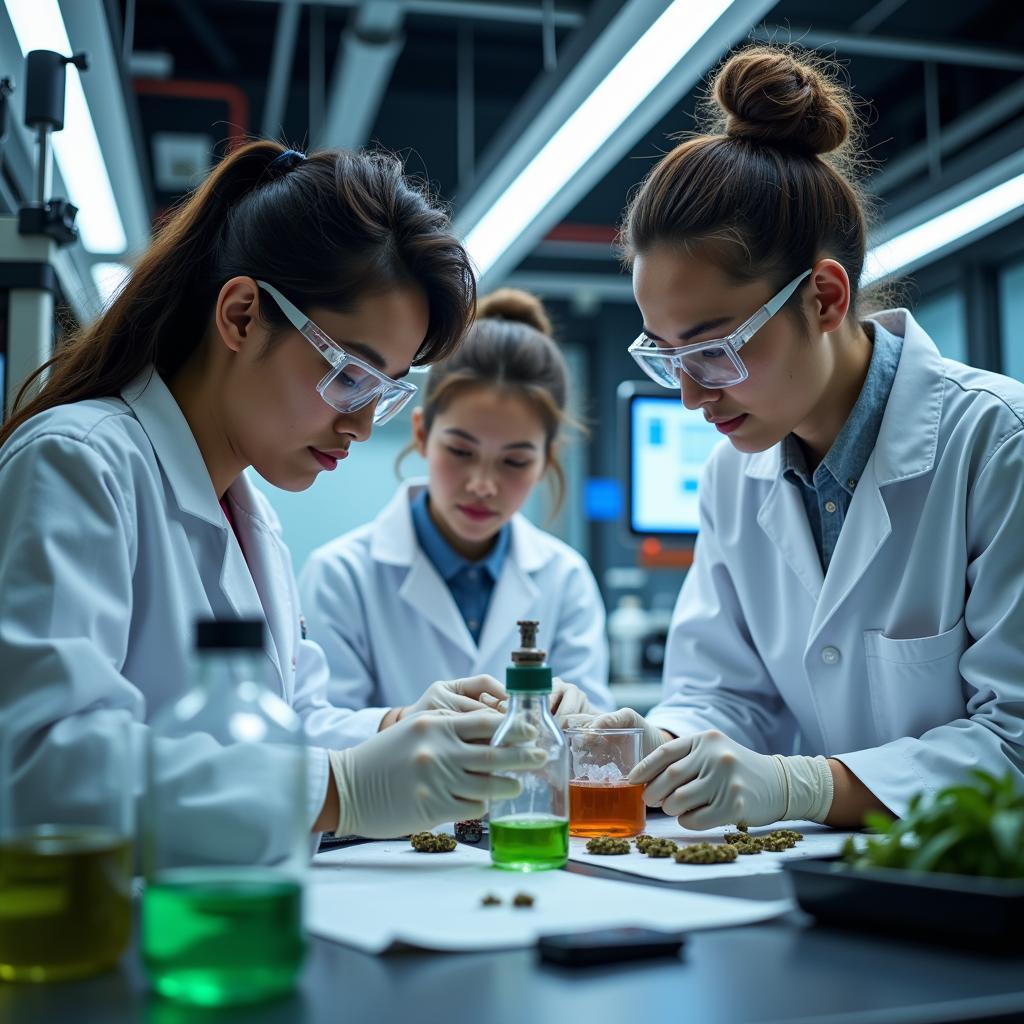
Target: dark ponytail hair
(772, 187)
(509, 347)
(327, 230)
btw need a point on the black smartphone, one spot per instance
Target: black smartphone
(608, 945)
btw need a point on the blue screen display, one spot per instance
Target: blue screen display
(669, 446)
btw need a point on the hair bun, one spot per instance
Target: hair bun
(517, 306)
(770, 96)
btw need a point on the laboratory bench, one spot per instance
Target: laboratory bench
(788, 969)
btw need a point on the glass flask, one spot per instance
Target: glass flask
(530, 832)
(222, 911)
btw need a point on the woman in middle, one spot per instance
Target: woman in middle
(433, 587)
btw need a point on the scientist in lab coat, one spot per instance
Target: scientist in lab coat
(856, 588)
(127, 514)
(436, 583)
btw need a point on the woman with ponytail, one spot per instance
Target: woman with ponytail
(270, 324)
(451, 559)
(850, 632)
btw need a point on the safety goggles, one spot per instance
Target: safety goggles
(351, 384)
(712, 364)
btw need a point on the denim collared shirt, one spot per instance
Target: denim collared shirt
(827, 494)
(471, 583)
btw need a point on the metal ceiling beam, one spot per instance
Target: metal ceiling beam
(558, 96)
(208, 37)
(874, 17)
(369, 48)
(892, 48)
(955, 136)
(285, 35)
(565, 15)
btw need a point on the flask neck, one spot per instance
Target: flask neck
(221, 668)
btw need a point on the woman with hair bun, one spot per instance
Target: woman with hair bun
(850, 632)
(433, 587)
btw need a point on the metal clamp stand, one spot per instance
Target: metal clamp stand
(29, 243)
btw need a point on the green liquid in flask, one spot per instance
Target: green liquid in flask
(218, 937)
(535, 842)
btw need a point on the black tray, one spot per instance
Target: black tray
(961, 909)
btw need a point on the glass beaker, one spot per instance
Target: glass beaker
(602, 800)
(67, 851)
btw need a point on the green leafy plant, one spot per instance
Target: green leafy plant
(972, 829)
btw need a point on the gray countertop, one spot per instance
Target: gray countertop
(785, 970)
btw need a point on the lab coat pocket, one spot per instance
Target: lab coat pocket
(916, 683)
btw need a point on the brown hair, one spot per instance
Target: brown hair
(509, 347)
(327, 231)
(771, 187)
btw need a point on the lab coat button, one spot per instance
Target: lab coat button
(830, 655)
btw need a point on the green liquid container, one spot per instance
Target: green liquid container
(529, 844)
(222, 909)
(530, 832)
(222, 937)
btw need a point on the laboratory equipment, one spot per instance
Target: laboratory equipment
(222, 922)
(602, 801)
(667, 446)
(529, 832)
(65, 885)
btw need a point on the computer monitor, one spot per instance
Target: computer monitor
(667, 446)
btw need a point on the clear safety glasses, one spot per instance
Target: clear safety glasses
(351, 384)
(712, 364)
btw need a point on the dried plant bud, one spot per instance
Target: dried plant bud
(471, 831)
(705, 853)
(427, 842)
(742, 826)
(607, 845)
(787, 833)
(522, 899)
(490, 900)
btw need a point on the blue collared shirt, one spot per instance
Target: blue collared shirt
(471, 583)
(827, 494)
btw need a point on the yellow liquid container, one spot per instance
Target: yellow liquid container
(65, 902)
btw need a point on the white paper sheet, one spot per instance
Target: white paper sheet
(381, 895)
(818, 841)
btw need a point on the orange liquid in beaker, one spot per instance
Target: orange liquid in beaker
(606, 809)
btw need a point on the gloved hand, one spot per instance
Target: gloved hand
(624, 718)
(426, 770)
(457, 695)
(566, 699)
(708, 779)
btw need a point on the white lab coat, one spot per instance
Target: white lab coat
(112, 543)
(390, 627)
(906, 661)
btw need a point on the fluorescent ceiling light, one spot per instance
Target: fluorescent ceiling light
(622, 90)
(108, 278)
(912, 247)
(39, 26)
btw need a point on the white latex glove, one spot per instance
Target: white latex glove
(566, 699)
(624, 718)
(426, 770)
(457, 695)
(708, 779)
